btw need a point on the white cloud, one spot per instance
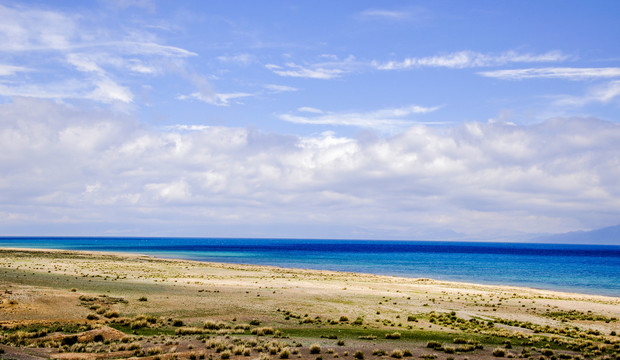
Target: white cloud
(97, 55)
(102, 89)
(598, 94)
(321, 70)
(309, 109)
(83, 62)
(138, 66)
(7, 70)
(314, 72)
(146, 48)
(469, 59)
(64, 90)
(566, 73)
(219, 99)
(184, 127)
(384, 120)
(239, 59)
(27, 29)
(386, 14)
(109, 91)
(479, 179)
(280, 88)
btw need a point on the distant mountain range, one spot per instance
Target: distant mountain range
(605, 236)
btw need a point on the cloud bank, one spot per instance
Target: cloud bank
(69, 167)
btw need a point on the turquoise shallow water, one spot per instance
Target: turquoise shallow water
(573, 268)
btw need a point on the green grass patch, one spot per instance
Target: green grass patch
(146, 331)
(419, 336)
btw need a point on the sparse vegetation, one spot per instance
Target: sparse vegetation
(202, 314)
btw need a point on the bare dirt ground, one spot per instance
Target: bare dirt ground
(79, 305)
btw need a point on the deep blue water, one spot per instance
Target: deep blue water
(574, 268)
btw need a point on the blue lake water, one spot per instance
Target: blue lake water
(574, 268)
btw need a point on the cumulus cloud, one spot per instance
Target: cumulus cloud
(577, 74)
(61, 165)
(470, 59)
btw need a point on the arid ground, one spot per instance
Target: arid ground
(84, 305)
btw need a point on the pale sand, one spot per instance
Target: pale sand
(195, 290)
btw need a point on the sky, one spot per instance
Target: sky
(422, 120)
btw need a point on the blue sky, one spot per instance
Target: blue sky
(446, 120)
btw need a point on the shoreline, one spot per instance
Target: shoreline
(503, 287)
(177, 309)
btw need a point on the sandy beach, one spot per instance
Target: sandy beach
(179, 308)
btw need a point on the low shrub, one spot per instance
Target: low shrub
(69, 340)
(499, 352)
(111, 314)
(285, 353)
(393, 336)
(262, 331)
(397, 354)
(434, 345)
(315, 349)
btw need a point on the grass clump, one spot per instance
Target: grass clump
(285, 353)
(368, 337)
(499, 352)
(315, 349)
(396, 353)
(434, 345)
(393, 336)
(359, 355)
(111, 314)
(262, 331)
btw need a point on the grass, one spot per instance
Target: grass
(382, 335)
(216, 299)
(144, 331)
